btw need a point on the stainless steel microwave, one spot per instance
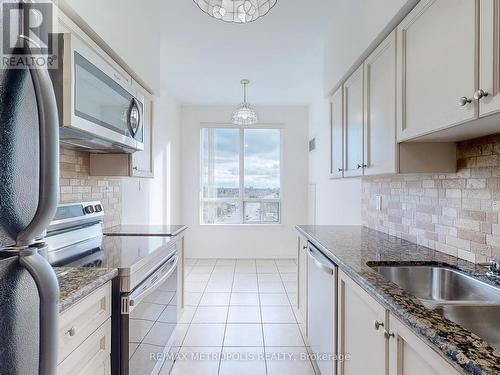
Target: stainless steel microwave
(99, 108)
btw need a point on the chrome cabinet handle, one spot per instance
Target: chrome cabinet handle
(463, 101)
(72, 331)
(362, 166)
(340, 169)
(388, 335)
(378, 324)
(479, 94)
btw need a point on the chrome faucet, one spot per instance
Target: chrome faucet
(493, 268)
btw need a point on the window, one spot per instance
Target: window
(240, 176)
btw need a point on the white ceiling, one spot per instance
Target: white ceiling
(203, 59)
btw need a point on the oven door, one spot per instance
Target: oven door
(149, 321)
(101, 108)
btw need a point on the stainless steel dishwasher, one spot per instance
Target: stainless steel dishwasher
(322, 309)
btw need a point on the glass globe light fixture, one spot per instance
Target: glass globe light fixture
(236, 11)
(245, 114)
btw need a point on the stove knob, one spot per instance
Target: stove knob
(98, 208)
(89, 210)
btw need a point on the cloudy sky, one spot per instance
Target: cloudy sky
(262, 157)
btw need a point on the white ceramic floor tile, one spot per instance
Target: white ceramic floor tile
(242, 361)
(190, 261)
(169, 315)
(195, 286)
(219, 286)
(204, 335)
(169, 361)
(274, 299)
(143, 360)
(202, 269)
(160, 334)
(265, 262)
(226, 262)
(269, 278)
(191, 298)
(245, 269)
(206, 262)
(297, 365)
(245, 262)
(277, 314)
(215, 299)
(289, 277)
(244, 299)
(223, 270)
(244, 314)
(267, 269)
(139, 329)
(286, 262)
(282, 335)
(245, 277)
(271, 287)
(179, 334)
(210, 314)
(197, 361)
(245, 286)
(243, 335)
(286, 269)
(194, 277)
(221, 278)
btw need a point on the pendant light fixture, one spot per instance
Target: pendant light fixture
(236, 11)
(245, 114)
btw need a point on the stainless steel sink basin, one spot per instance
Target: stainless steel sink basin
(440, 284)
(471, 303)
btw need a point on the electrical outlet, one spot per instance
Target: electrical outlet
(379, 202)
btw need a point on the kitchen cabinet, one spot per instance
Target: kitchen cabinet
(375, 339)
(488, 93)
(409, 355)
(380, 147)
(85, 335)
(353, 124)
(436, 67)
(337, 134)
(361, 322)
(137, 164)
(302, 282)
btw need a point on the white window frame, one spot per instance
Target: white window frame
(241, 199)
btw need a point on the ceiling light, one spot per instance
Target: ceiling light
(237, 11)
(245, 114)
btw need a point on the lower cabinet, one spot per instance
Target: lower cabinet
(361, 322)
(85, 335)
(372, 338)
(301, 302)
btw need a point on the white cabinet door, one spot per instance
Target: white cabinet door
(358, 316)
(353, 124)
(489, 57)
(436, 66)
(337, 134)
(409, 355)
(302, 283)
(380, 150)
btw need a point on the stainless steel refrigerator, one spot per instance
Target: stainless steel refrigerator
(29, 181)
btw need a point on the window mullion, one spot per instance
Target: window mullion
(242, 175)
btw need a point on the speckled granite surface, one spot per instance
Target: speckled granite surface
(77, 283)
(145, 230)
(352, 247)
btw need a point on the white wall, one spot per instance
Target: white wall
(156, 201)
(246, 241)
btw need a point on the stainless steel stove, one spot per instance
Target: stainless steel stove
(145, 297)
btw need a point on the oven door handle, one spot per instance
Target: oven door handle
(135, 298)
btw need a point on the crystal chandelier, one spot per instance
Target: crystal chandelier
(245, 114)
(237, 11)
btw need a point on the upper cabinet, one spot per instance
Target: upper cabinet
(488, 92)
(380, 151)
(436, 66)
(353, 124)
(337, 134)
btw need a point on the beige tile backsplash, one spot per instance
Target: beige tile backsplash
(76, 185)
(454, 213)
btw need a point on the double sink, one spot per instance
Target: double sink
(469, 302)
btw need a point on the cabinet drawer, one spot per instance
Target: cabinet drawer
(92, 357)
(81, 320)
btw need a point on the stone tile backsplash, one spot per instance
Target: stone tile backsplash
(457, 213)
(77, 185)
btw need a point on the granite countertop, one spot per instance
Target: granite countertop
(352, 247)
(77, 283)
(145, 230)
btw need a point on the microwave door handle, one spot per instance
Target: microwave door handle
(134, 300)
(48, 191)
